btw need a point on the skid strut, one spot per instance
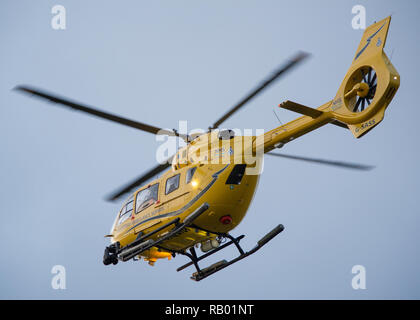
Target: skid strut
(204, 273)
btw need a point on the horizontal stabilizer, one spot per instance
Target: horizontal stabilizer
(307, 111)
(299, 108)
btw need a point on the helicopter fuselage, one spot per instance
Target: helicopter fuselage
(220, 182)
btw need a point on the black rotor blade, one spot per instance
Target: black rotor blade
(98, 113)
(363, 105)
(363, 75)
(340, 164)
(139, 181)
(374, 89)
(277, 73)
(373, 80)
(357, 104)
(369, 75)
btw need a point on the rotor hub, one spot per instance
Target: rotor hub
(363, 89)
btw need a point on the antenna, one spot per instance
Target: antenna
(274, 111)
(392, 53)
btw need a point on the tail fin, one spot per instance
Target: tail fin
(369, 85)
(359, 105)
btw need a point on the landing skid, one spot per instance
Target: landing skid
(204, 273)
(113, 253)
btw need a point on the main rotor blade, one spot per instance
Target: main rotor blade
(140, 180)
(340, 164)
(277, 73)
(98, 113)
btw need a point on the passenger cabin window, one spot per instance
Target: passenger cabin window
(172, 184)
(147, 197)
(190, 174)
(126, 210)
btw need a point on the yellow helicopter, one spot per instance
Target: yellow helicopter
(210, 182)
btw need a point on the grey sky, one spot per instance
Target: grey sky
(164, 61)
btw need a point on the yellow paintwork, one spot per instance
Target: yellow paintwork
(153, 254)
(208, 183)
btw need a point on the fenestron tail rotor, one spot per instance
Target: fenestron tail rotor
(366, 93)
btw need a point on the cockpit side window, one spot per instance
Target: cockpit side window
(126, 210)
(147, 197)
(190, 174)
(172, 184)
